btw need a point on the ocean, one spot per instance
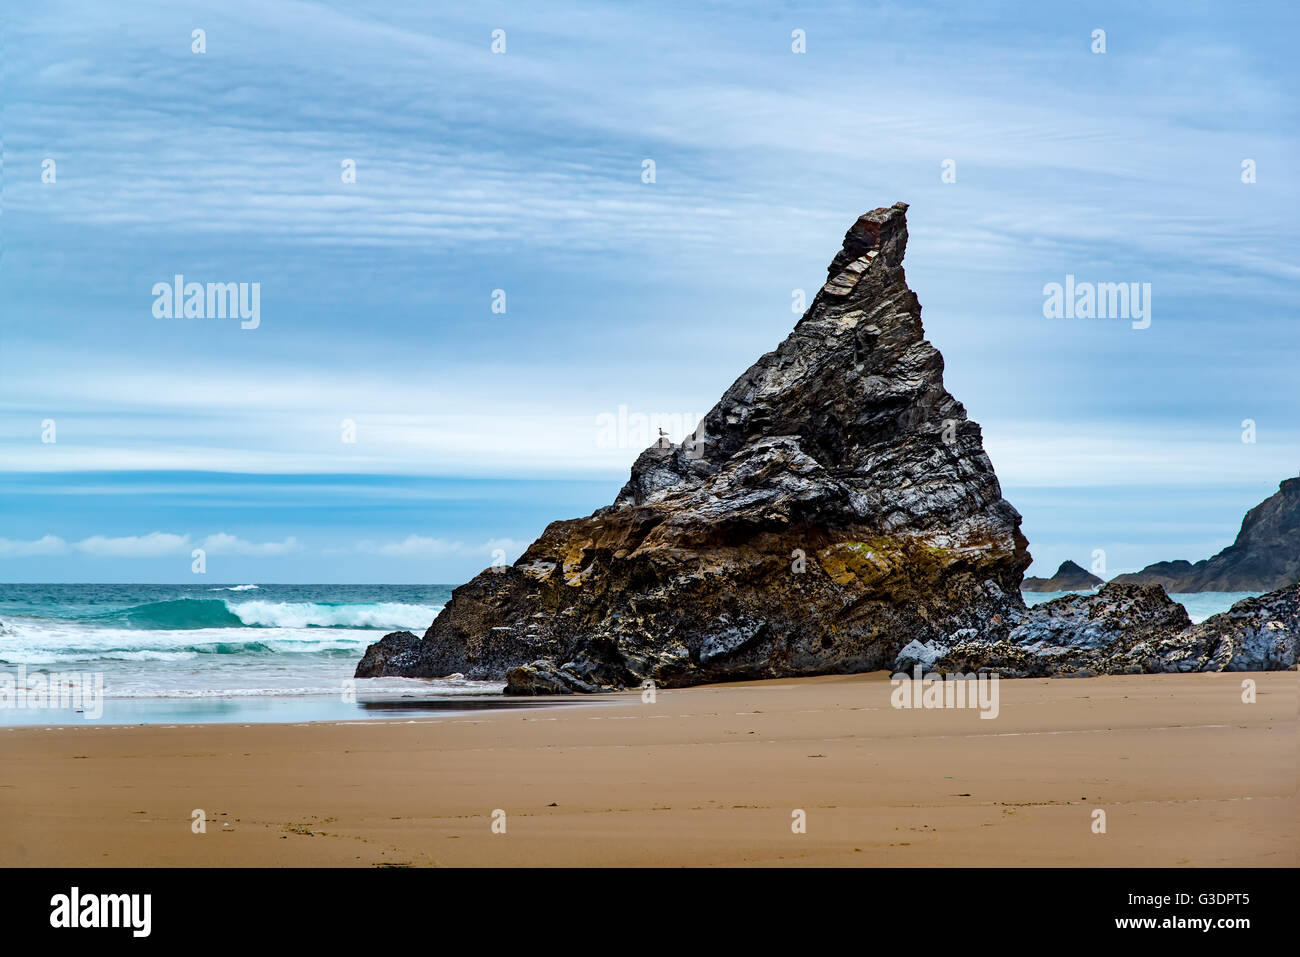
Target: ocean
(238, 652)
(249, 652)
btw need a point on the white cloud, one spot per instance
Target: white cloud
(158, 544)
(153, 545)
(419, 546)
(223, 543)
(47, 545)
(413, 546)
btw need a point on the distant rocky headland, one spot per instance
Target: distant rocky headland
(1069, 577)
(1265, 556)
(835, 508)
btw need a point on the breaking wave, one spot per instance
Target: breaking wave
(188, 613)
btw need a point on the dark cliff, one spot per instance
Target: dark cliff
(1265, 556)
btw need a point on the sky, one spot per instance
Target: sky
(440, 337)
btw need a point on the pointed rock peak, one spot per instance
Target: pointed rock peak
(846, 423)
(834, 505)
(881, 233)
(1070, 568)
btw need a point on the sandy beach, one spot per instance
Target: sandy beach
(1187, 774)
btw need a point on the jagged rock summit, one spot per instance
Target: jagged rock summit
(834, 505)
(1264, 557)
(1069, 577)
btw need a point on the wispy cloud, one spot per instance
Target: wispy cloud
(224, 544)
(158, 544)
(419, 546)
(46, 545)
(152, 545)
(133, 546)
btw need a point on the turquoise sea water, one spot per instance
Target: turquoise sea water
(214, 652)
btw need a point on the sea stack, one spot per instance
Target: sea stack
(1069, 577)
(834, 505)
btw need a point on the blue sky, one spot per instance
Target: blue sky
(522, 172)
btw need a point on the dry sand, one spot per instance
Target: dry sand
(1186, 772)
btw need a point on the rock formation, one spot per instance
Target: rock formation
(1265, 556)
(1123, 629)
(1257, 634)
(835, 504)
(1069, 577)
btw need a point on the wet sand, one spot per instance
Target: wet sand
(1186, 773)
